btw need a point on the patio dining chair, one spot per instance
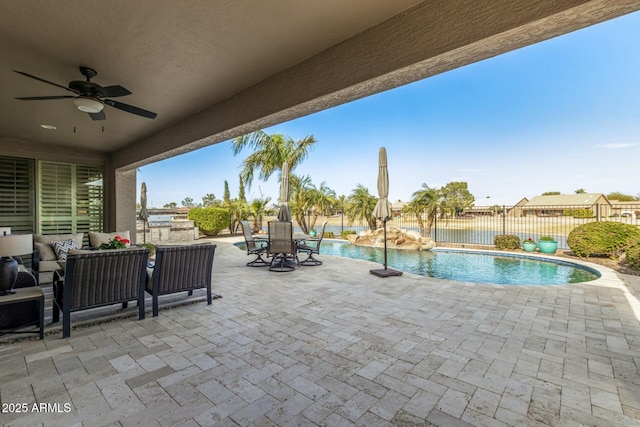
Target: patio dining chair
(255, 246)
(311, 246)
(282, 248)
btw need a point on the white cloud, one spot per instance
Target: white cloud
(616, 145)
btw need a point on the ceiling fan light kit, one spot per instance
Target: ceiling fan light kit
(88, 105)
(90, 97)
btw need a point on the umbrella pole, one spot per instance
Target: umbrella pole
(384, 225)
(385, 272)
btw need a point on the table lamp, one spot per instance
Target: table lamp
(10, 246)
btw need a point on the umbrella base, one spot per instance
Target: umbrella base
(385, 272)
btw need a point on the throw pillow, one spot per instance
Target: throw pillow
(62, 248)
(46, 251)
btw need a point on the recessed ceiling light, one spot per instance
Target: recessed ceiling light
(50, 127)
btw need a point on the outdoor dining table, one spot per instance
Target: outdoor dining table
(297, 237)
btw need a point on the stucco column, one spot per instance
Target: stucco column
(120, 200)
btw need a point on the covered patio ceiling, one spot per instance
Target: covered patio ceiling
(212, 70)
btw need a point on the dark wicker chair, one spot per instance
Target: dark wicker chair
(255, 246)
(282, 249)
(311, 246)
(97, 279)
(181, 268)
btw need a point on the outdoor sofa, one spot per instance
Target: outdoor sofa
(98, 278)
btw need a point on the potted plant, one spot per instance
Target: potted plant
(116, 243)
(529, 245)
(312, 232)
(547, 245)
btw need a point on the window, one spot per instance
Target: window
(17, 194)
(71, 198)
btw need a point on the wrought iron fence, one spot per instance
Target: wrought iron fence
(480, 224)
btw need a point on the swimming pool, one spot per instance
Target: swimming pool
(470, 266)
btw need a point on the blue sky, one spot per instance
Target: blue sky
(560, 115)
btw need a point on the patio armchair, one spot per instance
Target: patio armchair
(282, 248)
(98, 278)
(311, 246)
(179, 269)
(255, 246)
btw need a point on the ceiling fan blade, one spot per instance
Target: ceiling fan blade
(98, 116)
(44, 81)
(39, 98)
(114, 91)
(130, 108)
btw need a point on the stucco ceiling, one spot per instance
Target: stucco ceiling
(177, 58)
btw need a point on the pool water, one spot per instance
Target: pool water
(466, 266)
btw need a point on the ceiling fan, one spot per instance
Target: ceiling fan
(91, 97)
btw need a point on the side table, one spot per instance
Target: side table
(24, 308)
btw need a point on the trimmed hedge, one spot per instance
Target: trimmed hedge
(579, 213)
(633, 256)
(210, 221)
(506, 241)
(345, 233)
(603, 239)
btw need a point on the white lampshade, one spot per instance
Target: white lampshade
(88, 105)
(16, 244)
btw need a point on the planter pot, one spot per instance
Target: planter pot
(547, 247)
(312, 233)
(529, 246)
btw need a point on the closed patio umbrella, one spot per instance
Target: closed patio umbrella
(382, 211)
(144, 213)
(285, 213)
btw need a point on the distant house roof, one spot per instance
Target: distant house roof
(397, 206)
(522, 202)
(584, 199)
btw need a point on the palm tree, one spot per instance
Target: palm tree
(238, 210)
(258, 210)
(425, 200)
(360, 205)
(301, 196)
(324, 198)
(269, 153)
(341, 204)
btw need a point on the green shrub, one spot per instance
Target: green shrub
(633, 256)
(328, 235)
(579, 213)
(506, 241)
(150, 246)
(210, 221)
(602, 239)
(345, 233)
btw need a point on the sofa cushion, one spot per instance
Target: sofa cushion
(48, 266)
(96, 239)
(42, 243)
(46, 251)
(62, 248)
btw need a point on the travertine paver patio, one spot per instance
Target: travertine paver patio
(336, 346)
